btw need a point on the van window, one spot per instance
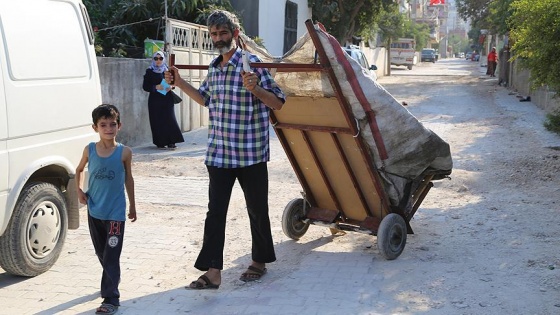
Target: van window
(58, 55)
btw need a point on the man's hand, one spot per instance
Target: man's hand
(172, 75)
(250, 80)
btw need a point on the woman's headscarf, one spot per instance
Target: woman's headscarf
(155, 67)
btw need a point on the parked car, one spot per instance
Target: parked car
(428, 54)
(462, 55)
(357, 54)
(468, 56)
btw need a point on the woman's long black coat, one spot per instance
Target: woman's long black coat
(165, 130)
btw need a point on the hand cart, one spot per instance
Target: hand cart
(343, 186)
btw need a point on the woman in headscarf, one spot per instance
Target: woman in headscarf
(165, 130)
(492, 62)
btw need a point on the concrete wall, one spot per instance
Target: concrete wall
(543, 97)
(121, 85)
(270, 28)
(377, 56)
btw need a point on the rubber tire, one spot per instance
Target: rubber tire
(40, 211)
(409, 67)
(292, 225)
(391, 236)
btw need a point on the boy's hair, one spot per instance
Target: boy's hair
(221, 18)
(105, 111)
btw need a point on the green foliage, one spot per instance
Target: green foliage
(552, 122)
(499, 13)
(210, 6)
(391, 22)
(419, 31)
(123, 25)
(344, 19)
(535, 30)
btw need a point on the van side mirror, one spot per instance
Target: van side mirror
(373, 67)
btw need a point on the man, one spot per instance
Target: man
(239, 103)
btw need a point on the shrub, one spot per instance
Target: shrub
(552, 122)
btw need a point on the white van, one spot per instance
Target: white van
(403, 53)
(49, 84)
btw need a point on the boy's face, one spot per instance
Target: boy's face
(107, 128)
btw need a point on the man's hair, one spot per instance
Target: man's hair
(221, 18)
(105, 111)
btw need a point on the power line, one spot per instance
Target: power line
(123, 25)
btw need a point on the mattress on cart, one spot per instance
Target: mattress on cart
(405, 151)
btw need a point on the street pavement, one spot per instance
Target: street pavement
(332, 275)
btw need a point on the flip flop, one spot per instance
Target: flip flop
(253, 276)
(197, 285)
(107, 309)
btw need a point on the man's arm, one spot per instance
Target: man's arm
(186, 87)
(250, 81)
(267, 97)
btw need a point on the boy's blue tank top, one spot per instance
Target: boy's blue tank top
(106, 197)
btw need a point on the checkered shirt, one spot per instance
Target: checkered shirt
(239, 121)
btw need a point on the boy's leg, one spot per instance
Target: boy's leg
(254, 182)
(219, 194)
(98, 236)
(111, 262)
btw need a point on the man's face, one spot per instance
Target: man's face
(222, 38)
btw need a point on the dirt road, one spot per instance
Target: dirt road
(485, 242)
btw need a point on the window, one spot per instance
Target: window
(290, 25)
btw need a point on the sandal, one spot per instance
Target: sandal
(198, 285)
(255, 275)
(106, 308)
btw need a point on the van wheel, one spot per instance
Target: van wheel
(35, 235)
(409, 67)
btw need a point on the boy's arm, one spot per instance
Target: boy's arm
(129, 183)
(82, 197)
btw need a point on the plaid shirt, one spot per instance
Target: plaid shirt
(239, 121)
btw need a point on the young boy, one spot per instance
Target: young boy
(109, 164)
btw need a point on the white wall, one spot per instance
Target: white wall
(271, 30)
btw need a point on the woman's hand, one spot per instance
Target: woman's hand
(160, 87)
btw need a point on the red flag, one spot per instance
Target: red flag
(437, 2)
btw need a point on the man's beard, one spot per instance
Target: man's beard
(223, 46)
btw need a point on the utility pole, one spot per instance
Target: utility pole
(165, 43)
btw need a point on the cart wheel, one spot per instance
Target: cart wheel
(292, 223)
(391, 236)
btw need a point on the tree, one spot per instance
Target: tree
(346, 18)
(474, 10)
(535, 30)
(123, 25)
(491, 15)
